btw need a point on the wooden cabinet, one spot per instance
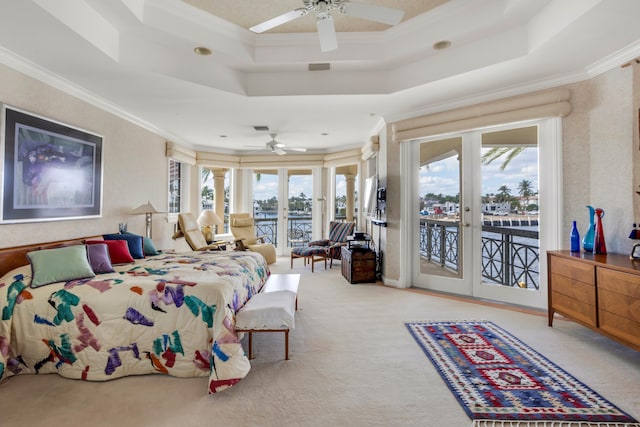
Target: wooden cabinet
(601, 292)
(358, 264)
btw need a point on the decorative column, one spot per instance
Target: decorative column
(218, 194)
(351, 195)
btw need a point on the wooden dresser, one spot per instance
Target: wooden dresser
(601, 292)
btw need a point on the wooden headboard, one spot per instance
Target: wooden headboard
(15, 257)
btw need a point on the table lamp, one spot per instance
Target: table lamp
(208, 219)
(148, 209)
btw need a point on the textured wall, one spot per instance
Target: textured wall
(134, 165)
(598, 156)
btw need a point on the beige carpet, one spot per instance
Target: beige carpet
(352, 363)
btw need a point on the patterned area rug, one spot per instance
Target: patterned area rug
(500, 381)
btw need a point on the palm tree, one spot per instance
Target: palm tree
(497, 152)
(525, 190)
(504, 194)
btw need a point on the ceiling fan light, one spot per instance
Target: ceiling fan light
(201, 50)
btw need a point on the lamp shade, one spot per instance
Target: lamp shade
(209, 218)
(145, 209)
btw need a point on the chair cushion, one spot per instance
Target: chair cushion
(321, 242)
(187, 222)
(310, 250)
(195, 239)
(338, 231)
(242, 222)
(267, 250)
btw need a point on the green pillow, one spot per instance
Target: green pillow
(59, 265)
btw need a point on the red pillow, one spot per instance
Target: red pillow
(118, 250)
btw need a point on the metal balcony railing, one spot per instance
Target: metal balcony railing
(510, 256)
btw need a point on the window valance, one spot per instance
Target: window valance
(549, 103)
(180, 153)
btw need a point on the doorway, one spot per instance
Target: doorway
(479, 209)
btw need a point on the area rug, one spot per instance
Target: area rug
(500, 381)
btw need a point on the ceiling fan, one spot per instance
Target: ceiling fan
(324, 21)
(279, 148)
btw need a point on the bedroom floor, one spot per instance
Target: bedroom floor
(352, 363)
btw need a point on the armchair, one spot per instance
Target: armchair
(190, 229)
(244, 234)
(338, 232)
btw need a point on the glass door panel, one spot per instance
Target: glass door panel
(443, 217)
(300, 190)
(265, 204)
(510, 245)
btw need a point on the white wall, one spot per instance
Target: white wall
(134, 165)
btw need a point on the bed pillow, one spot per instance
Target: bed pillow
(99, 258)
(59, 265)
(134, 243)
(118, 250)
(147, 244)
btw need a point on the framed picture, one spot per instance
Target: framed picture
(51, 171)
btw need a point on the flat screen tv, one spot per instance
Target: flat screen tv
(369, 201)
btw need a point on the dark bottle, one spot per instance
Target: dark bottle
(575, 238)
(599, 245)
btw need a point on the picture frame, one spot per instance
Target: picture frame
(52, 171)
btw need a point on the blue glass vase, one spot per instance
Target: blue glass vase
(587, 241)
(575, 238)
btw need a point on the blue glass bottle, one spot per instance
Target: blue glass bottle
(575, 238)
(587, 241)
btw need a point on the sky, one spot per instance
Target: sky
(442, 176)
(267, 187)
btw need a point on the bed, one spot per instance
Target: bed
(172, 313)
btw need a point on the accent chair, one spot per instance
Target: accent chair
(194, 237)
(244, 234)
(338, 233)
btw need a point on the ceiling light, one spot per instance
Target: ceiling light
(442, 44)
(201, 50)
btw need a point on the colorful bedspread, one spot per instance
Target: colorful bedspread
(172, 314)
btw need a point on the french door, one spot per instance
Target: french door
(484, 211)
(282, 206)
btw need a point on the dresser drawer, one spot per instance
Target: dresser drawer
(619, 304)
(574, 270)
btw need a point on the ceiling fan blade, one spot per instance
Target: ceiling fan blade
(279, 151)
(298, 149)
(278, 20)
(385, 15)
(327, 33)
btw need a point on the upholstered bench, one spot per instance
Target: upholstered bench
(310, 254)
(271, 310)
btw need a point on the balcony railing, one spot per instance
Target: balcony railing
(510, 256)
(298, 230)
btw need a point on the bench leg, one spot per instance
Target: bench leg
(286, 344)
(250, 343)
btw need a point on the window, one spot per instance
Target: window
(175, 186)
